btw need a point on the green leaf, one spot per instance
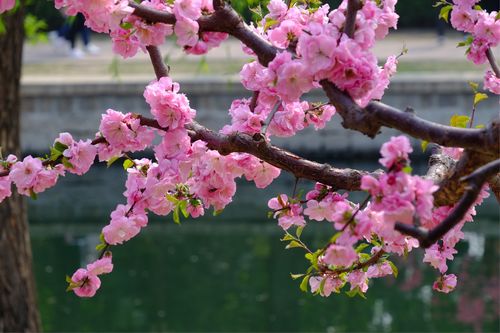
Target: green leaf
(60, 146)
(100, 247)
(354, 292)
(128, 163)
(299, 230)
(112, 160)
(394, 268)
(445, 12)
(335, 237)
(407, 169)
(459, 121)
(101, 238)
(480, 126)
(468, 41)
(175, 215)
(474, 86)
(296, 276)
(269, 23)
(424, 145)
(217, 212)
(183, 208)
(114, 68)
(54, 154)
(67, 164)
(321, 286)
(68, 279)
(304, 283)
(361, 247)
(478, 97)
(33, 195)
(477, 7)
(172, 199)
(126, 25)
(287, 237)
(293, 244)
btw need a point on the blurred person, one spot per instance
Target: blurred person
(67, 36)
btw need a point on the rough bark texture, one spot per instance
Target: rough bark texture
(18, 306)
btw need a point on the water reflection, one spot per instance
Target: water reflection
(232, 274)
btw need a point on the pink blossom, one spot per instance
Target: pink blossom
(100, 266)
(187, 32)
(286, 32)
(87, 283)
(395, 151)
(5, 188)
(80, 154)
(317, 51)
(379, 270)
(492, 82)
(437, 256)
(6, 5)
(287, 121)
(125, 43)
(318, 210)
(120, 229)
(339, 255)
(463, 18)
(288, 214)
(358, 279)
(187, 9)
(331, 285)
(477, 51)
(277, 9)
(445, 283)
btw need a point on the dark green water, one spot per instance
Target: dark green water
(231, 273)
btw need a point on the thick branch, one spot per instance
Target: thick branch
(369, 120)
(475, 182)
(493, 62)
(345, 179)
(440, 167)
(350, 20)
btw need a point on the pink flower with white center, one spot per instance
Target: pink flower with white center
(463, 18)
(331, 285)
(120, 229)
(358, 279)
(395, 151)
(317, 51)
(339, 255)
(87, 283)
(187, 9)
(379, 270)
(187, 32)
(445, 283)
(293, 81)
(437, 256)
(243, 119)
(6, 5)
(492, 82)
(100, 266)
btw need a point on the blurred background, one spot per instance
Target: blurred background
(231, 272)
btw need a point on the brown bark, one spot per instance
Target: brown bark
(18, 306)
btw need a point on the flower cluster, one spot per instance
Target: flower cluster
(85, 281)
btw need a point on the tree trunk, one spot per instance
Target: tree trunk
(18, 307)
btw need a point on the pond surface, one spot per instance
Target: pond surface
(232, 273)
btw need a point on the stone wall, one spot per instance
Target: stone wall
(52, 107)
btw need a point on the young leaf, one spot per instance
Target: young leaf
(394, 268)
(296, 276)
(459, 121)
(175, 215)
(183, 208)
(299, 230)
(424, 145)
(67, 164)
(112, 160)
(287, 237)
(474, 86)
(444, 12)
(361, 247)
(478, 97)
(293, 244)
(128, 163)
(304, 283)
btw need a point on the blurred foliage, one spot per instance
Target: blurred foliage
(413, 14)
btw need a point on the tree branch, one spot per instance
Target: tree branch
(475, 182)
(350, 20)
(159, 66)
(369, 121)
(493, 63)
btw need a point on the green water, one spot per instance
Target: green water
(232, 274)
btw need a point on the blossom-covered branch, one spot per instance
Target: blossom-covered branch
(475, 181)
